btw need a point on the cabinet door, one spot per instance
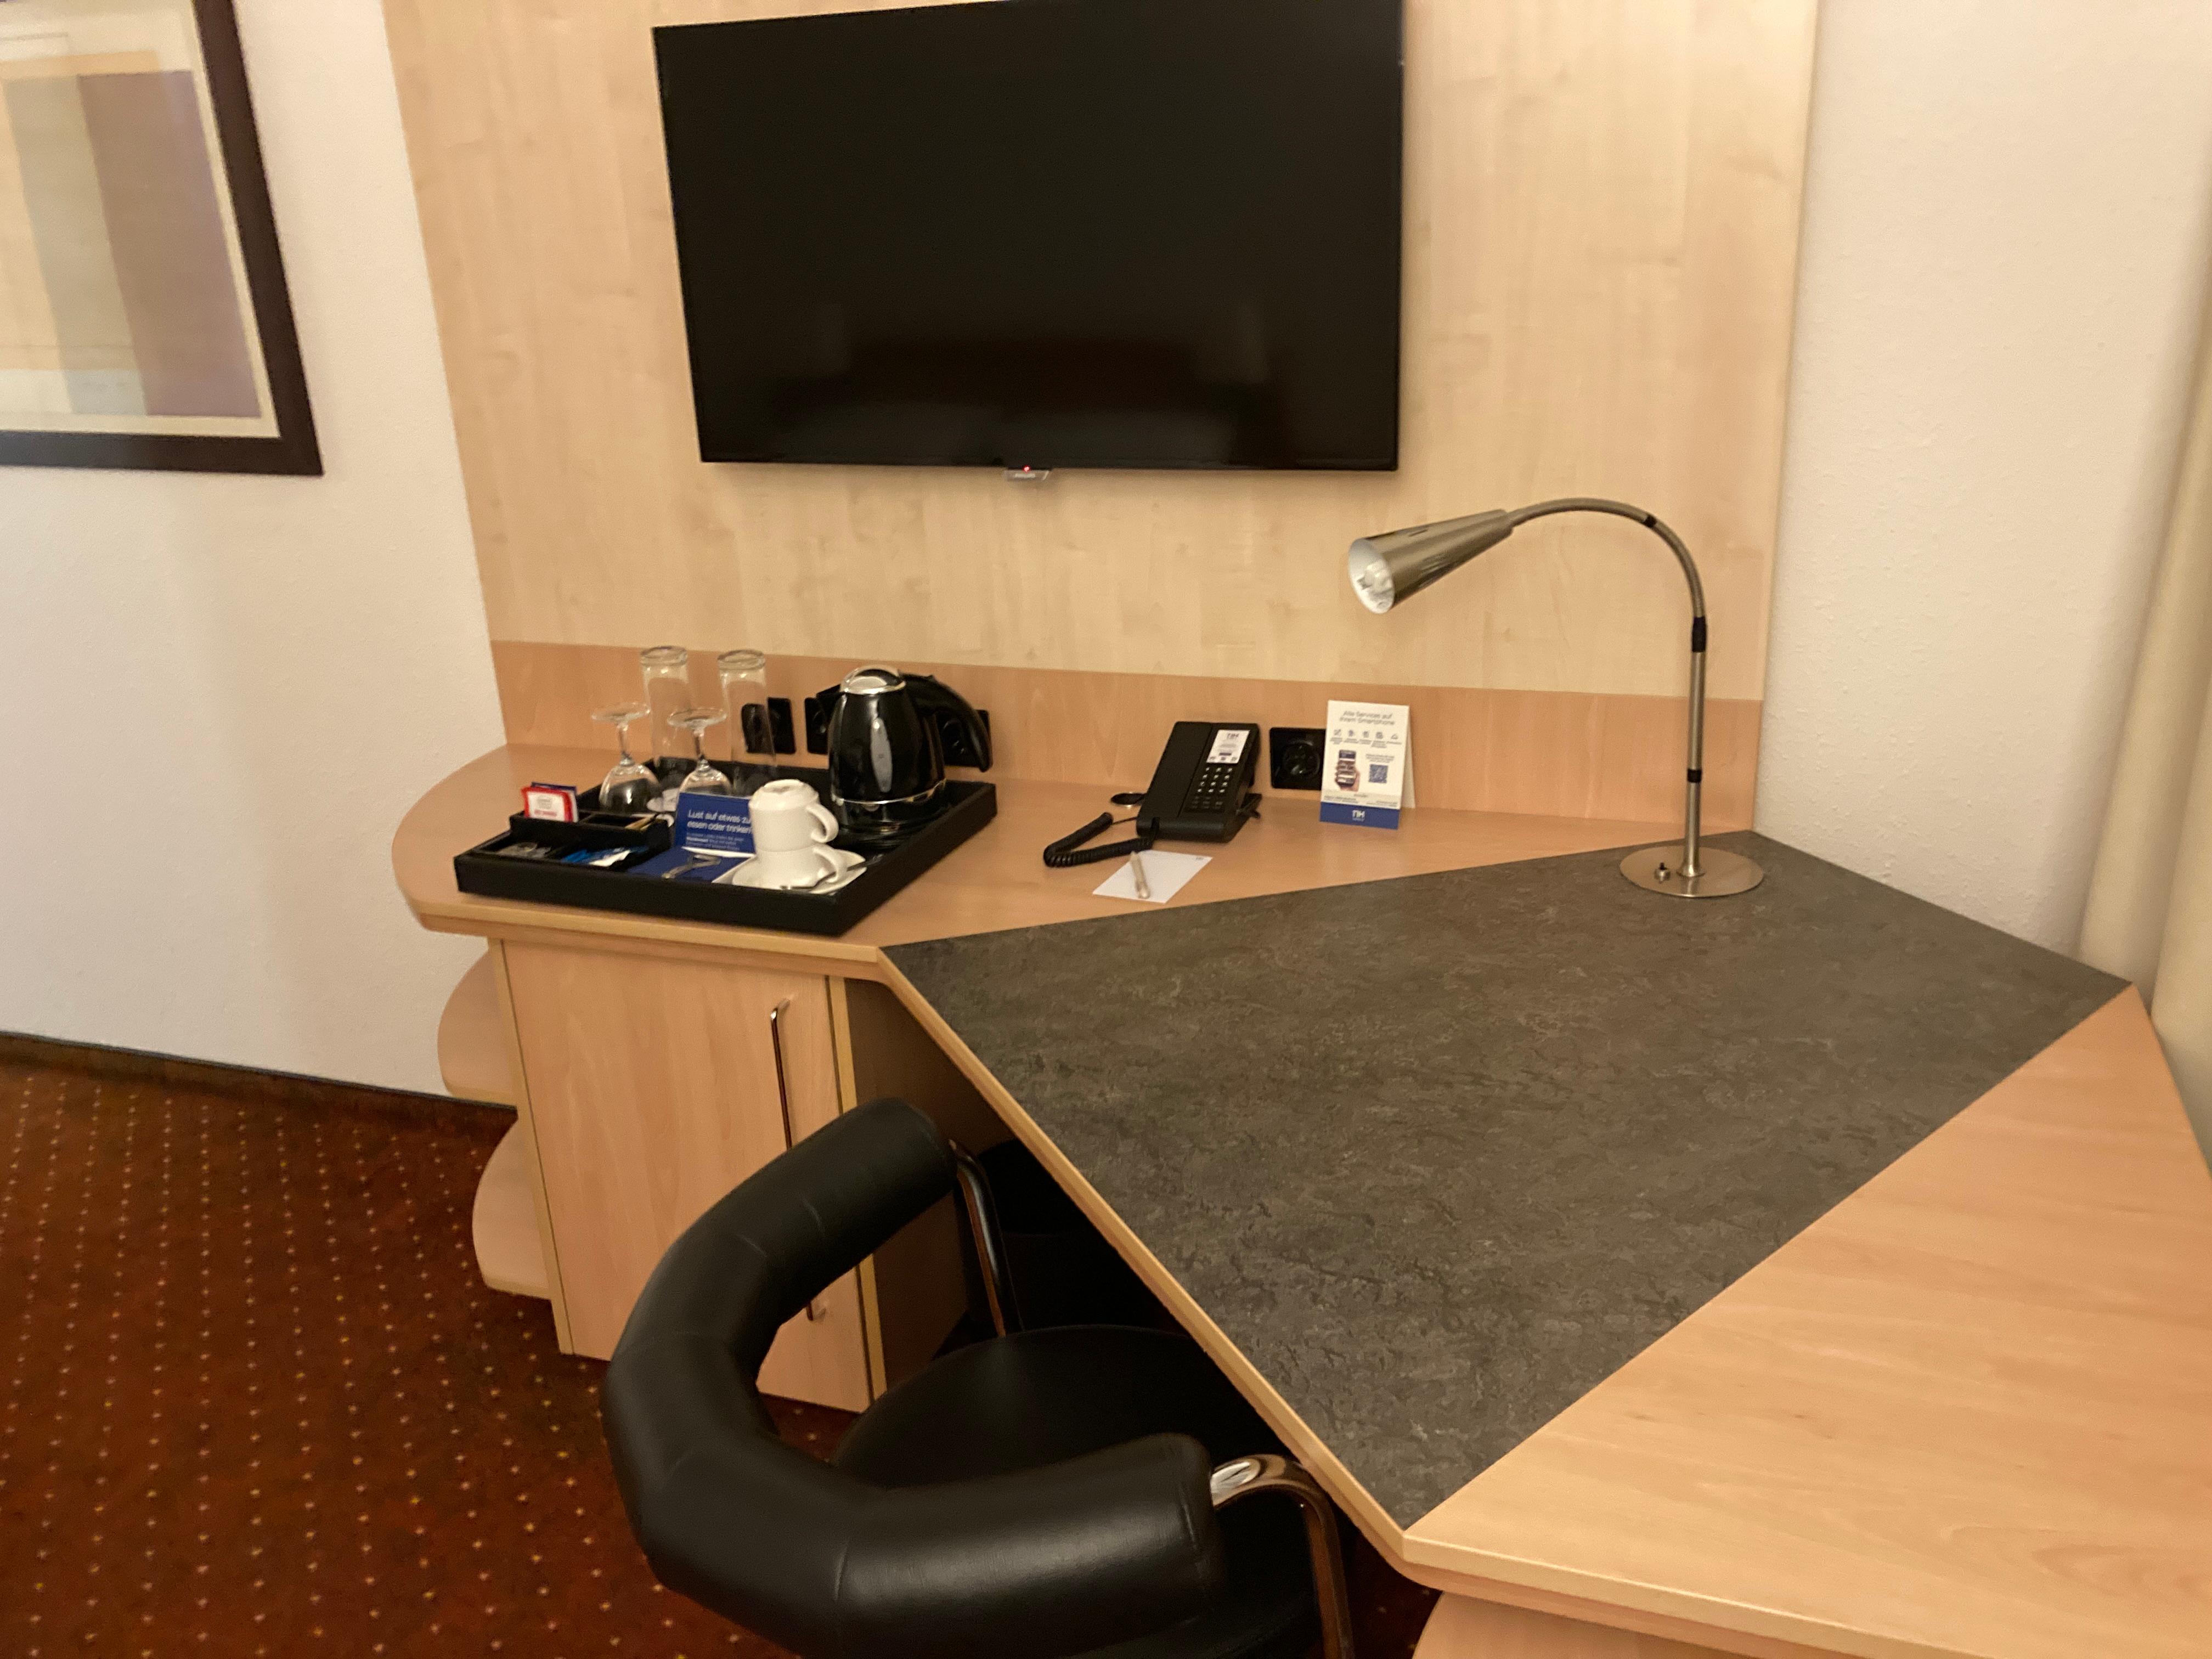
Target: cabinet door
(654, 1090)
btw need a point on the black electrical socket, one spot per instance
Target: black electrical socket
(779, 726)
(759, 729)
(952, 738)
(1294, 754)
(820, 707)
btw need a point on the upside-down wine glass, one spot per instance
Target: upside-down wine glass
(668, 686)
(704, 778)
(750, 741)
(629, 785)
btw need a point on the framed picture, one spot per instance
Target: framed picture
(143, 316)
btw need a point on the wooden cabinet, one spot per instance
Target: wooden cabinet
(653, 1088)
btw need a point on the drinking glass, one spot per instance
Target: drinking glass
(667, 669)
(704, 778)
(750, 739)
(629, 786)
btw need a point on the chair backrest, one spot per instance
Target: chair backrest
(1051, 1561)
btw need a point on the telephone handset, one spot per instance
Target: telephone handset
(1199, 787)
(1201, 790)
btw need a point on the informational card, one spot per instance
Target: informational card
(715, 824)
(1365, 763)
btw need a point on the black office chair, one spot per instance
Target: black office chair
(1041, 1495)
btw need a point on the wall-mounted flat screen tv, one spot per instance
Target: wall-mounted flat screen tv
(1043, 233)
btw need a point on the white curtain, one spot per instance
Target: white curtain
(2149, 915)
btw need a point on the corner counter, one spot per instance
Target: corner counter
(1924, 1376)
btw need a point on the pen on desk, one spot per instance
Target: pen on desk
(1137, 874)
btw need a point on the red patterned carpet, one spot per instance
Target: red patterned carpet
(257, 1401)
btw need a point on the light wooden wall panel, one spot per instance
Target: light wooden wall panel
(1562, 754)
(1602, 229)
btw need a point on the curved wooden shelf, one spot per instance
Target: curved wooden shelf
(509, 1252)
(472, 1046)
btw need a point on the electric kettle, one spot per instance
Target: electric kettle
(886, 760)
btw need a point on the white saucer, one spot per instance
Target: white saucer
(750, 874)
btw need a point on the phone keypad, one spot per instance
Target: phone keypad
(1209, 791)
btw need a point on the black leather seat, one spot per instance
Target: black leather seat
(1042, 1495)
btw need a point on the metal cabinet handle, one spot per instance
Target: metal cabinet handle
(815, 1310)
(782, 1078)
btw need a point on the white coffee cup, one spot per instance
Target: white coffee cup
(788, 816)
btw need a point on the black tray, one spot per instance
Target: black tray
(968, 807)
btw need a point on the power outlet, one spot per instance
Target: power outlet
(1294, 756)
(818, 709)
(779, 726)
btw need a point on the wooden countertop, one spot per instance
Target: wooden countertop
(996, 880)
(1962, 1415)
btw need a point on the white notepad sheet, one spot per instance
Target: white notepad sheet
(1165, 873)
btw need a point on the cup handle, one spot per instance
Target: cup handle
(827, 819)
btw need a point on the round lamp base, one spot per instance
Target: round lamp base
(1720, 872)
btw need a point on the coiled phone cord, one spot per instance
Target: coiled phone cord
(1069, 851)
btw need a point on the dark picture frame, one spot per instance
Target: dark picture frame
(294, 451)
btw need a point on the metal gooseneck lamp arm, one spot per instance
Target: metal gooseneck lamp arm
(1400, 563)
(1694, 795)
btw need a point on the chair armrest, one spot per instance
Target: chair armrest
(1062, 1559)
(1053, 1560)
(1048, 1562)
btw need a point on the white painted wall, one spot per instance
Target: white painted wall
(2007, 237)
(267, 671)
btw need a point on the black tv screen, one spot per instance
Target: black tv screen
(1042, 233)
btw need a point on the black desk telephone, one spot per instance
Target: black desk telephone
(1201, 790)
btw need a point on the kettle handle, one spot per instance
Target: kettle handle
(932, 695)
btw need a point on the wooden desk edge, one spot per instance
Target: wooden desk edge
(1643, 1608)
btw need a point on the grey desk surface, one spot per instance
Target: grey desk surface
(1441, 1154)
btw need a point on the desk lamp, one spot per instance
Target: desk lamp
(1400, 563)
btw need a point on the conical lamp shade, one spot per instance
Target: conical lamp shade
(1400, 563)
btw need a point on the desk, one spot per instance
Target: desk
(1885, 1331)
